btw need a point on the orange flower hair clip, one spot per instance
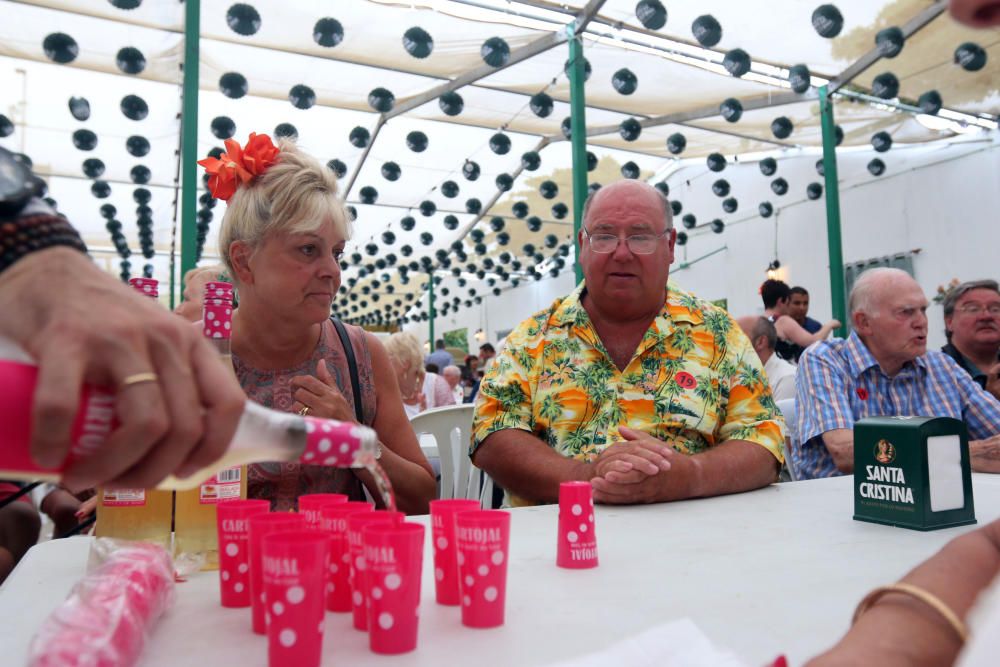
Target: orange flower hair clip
(239, 165)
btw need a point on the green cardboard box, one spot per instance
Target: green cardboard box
(912, 472)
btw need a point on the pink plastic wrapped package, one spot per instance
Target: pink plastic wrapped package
(109, 614)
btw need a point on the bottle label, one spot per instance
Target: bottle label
(220, 487)
(123, 497)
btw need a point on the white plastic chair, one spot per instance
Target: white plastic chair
(787, 407)
(451, 427)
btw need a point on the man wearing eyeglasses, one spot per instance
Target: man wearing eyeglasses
(972, 325)
(644, 390)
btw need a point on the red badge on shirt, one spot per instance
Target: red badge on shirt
(862, 393)
(685, 380)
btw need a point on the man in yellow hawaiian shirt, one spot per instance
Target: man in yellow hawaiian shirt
(646, 391)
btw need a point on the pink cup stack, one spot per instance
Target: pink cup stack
(234, 549)
(577, 540)
(262, 525)
(445, 551)
(334, 525)
(310, 504)
(355, 523)
(393, 565)
(483, 539)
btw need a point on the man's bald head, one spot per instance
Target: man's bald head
(631, 188)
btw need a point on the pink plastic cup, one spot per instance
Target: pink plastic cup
(294, 567)
(334, 525)
(310, 503)
(445, 554)
(394, 557)
(355, 549)
(483, 538)
(577, 539)
(233, 524)
(261, 525)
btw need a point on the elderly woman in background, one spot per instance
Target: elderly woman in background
(281, 239)
(421, 390)
(194, 289)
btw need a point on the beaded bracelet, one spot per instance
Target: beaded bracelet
(928, 598)
(22, 236)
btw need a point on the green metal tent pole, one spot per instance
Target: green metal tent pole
(836, 253)
(430, 305)
(189, 142)
(578, 137)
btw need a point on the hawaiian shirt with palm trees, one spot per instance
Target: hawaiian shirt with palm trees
(693, 382)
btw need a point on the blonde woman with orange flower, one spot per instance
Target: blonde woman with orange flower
(282, 237)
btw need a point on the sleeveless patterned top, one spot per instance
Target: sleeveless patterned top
(283, 483)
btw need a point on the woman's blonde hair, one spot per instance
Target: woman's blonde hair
(405, 348)
(296, 194)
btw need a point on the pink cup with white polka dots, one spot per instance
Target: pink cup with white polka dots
(294, 567)
(334, 524)
(394, 556)
(310, 504)
(355, 545)
(233, 522)
(260, 526)
(445, 553)
(577, 540)
(483, 539)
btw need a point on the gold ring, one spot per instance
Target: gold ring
(138, 378)
(304, 411)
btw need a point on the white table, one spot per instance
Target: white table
(778, 570)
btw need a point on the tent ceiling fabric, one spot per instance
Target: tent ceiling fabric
(672, 75)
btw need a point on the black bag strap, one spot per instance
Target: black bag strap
(352, 366)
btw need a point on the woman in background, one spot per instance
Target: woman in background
(421, 390)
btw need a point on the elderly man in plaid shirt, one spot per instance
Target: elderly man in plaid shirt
(884, 368)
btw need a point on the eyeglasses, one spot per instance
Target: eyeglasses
(976, 309)
(639, 244)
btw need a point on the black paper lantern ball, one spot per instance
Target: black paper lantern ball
(551, 240)
(233, 85)
(418, 42)
(223, 127)
(566, 127)
(503, 238)
(407, 224)
(391, 171)
(800, 78)
(676, 207)
(451, 103)
(930, 102)
(130, 60)
(500, 143)
(820, 167)
(337, 167)
(630, 129)
(876, 167)
(689, 221)
(60, 48)
(720, 188)
(885, 86)
(426, 238)
(328, 32)
(717, 226)
(587, 70)
(93, 168)
(765, 209)
(302, 96)
(359, 137)
(142, 196)
(504, 182)
(137, 145)
(625, 81)
(779, 186)
(971, 57)
(216, 152)
(814, 191)
(534, 223)
(286, 131)
(827, 21)
(450, 222)
(651, 14)
(838, 134)
(134, 107)
(730, 205)
(881, 142)
(416, 141)
(85, 140)
(768, 166)
(497, 223)
(368, 195)
(737, 62)
(889, 42)
(381, 100)
(470, 170)
(731, 109)
(243, 19)
(630, 170)
(140, 174)
(541, 105)
(781, 127)
(682, 238)
(716, 161)
(126, 4)
(495, 52)
(352, 213)
(372, 250)
(676, 143)
(663, 187)
(559, 211)
(6, 126)
(531, 161)
(706, 30)
(592, 188)
(473, 205)
(428, 208)
(79, 107)
(591, 161)
(548, 189)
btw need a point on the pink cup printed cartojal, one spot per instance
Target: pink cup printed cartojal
(445, 552)
(233, 523)
(310, 504)
(394, 556)
(577, 540)
(334, 525)
(260, 526)
(355, 523)
(294, 567)
(483, 539)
